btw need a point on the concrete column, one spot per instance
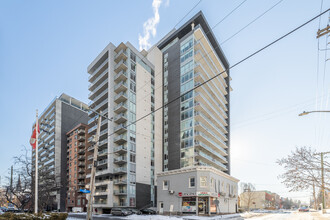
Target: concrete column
(209, 205)
(196, 205)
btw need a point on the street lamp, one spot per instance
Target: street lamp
(322, 168)
(306, 113)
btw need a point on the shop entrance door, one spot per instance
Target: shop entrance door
(201, 207)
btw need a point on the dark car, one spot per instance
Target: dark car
(148, 211)
(120, 211)
(135, 211)
(304, 209)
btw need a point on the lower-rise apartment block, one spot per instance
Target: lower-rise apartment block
(76, 168)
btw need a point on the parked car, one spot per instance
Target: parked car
(303, 209)
(3, 209)
(120, 211)
(148, 211)
(135, 211)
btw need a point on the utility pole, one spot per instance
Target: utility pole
(322, 176)
(11, 183)
(323, 31)
(94, 164)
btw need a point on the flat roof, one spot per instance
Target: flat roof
(198, 19)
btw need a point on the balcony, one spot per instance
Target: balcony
(95, 82)
(216, 126)
(201, 107)
(215, 152)
(81, 183)
(102, 162)
(81, 145)
(121, 192)
(121, 55)
(121, 66)
(210, 160)
(120, 139)
(98, 99)
(200, 136)
(120, 128)
(101, 143)
(92, 76)
(121, 97)
(81, 131)
(90, 148)
(81, 176)
(81, 138)
(120, 118)
(81, 157)
(101, 192)
(199, 126)
(103, 104)
(80, 170)
(120, 170)
(120, 149)
(103, 152)
(90, 157)
(81, 164)
(120, 87)
(100, 88)
(120, 160)
(121, 107)
(121, 76)
(81, 151)
(120, 182)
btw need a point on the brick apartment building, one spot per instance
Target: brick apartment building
(77, 140)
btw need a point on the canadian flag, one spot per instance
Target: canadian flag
(33, 139)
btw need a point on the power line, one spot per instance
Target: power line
(203, 56)
(188, 12)
(254, 20)
(236, 64)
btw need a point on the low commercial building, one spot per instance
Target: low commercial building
(259, 200)
(200, 190)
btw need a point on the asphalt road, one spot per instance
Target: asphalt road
(266, 216)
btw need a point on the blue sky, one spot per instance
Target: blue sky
(46, 46)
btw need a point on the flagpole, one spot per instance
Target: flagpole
(36, 170)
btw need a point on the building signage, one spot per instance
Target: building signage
(208, 194)
(185, 194)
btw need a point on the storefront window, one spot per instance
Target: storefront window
(214, 205)
(189, 205)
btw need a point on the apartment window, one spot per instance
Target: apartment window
(203, 181)
(133, 56)
(133, 65)
(133, 77)
(78, 202)
(132, 158)
(165, 184)
(132, 86)
(191, 182)
(212, 182)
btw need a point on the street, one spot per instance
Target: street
(252, 216)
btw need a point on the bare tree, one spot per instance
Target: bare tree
(21, 192)
(303, 170)
(248, 195)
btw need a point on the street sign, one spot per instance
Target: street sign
(84, 191)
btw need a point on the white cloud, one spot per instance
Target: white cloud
(150, 26)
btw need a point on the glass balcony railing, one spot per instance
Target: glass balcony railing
(206, 147)
(202, 154)
(222, 123)
(209, 140)
(207, 129)
(214, 126)
(97, 69)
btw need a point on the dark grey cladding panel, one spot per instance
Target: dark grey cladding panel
(174, 107)
(198, 19)
(143, 195)
(71, 117)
